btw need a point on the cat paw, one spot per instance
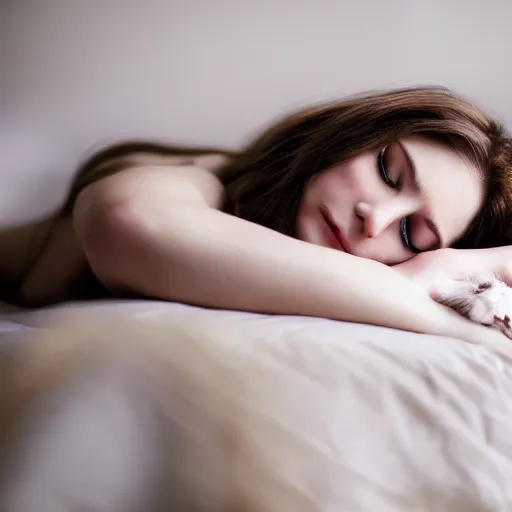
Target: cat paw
(487, 303)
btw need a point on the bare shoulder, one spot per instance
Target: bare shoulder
(117, 160)
(43, 259)
(155, 182)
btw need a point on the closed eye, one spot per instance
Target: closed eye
(384, 171)
(405, 222)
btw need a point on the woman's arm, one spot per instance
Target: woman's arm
(158, 231)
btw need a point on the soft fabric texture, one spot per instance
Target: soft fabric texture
(270, 413)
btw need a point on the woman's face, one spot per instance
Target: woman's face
(415, 195)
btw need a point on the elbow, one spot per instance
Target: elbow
(107, 231)
(134, 244)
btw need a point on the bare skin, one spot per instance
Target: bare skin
(19, 247)
(157, 229)
(44, 259)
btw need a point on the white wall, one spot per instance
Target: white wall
(77, 74)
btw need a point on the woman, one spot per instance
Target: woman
(344, 211)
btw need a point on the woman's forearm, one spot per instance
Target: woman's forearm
(201, 256)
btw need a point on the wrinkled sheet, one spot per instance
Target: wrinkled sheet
(330, 416)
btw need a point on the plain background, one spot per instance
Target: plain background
(76, 75)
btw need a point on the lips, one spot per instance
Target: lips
(336, 232)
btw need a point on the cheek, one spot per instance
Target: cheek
(344, 182)
(354, 181)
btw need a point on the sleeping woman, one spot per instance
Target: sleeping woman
(359, 210)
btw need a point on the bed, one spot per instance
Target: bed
(276, 413)
(256, 413)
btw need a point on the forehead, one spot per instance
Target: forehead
(453, 188)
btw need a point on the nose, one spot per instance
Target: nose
(378, 217)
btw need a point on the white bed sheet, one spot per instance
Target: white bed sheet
(332, 416)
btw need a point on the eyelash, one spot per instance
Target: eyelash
(384, 173)
(404, 222)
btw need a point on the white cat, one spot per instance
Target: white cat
(488, 303)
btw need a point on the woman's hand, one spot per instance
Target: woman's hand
(432, 270)
(468, 281)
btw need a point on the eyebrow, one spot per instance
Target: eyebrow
(414, 174)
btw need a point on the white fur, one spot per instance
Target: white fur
(490, 306)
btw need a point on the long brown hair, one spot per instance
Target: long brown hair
(265, 182)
